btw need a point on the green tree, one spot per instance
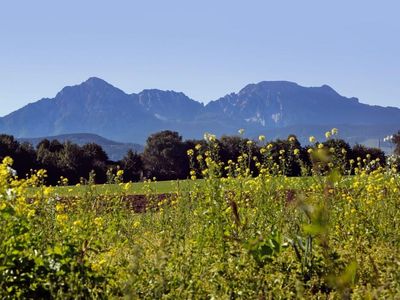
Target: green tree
(23, 154)
(165, 157)
(95, 159)
(25, 159)
(282, 153)
(132, 165)
(70, 161)
(340, 153)
(363, 152)
(8, 145)
(47, 160)
(94, 152)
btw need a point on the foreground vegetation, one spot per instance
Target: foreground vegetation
(335, 234)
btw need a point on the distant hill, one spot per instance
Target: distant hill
(114, 150)
(274, 108)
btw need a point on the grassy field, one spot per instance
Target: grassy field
(135, 188)
(154, 187)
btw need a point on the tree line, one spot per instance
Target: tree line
(165, 157)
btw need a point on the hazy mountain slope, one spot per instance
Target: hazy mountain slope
(169, 105)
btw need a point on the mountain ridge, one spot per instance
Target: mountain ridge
(97, 107)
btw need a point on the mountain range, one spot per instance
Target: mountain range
(273, 108)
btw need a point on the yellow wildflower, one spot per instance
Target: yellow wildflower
(328, 134)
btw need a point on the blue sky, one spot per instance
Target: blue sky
(205, 49)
